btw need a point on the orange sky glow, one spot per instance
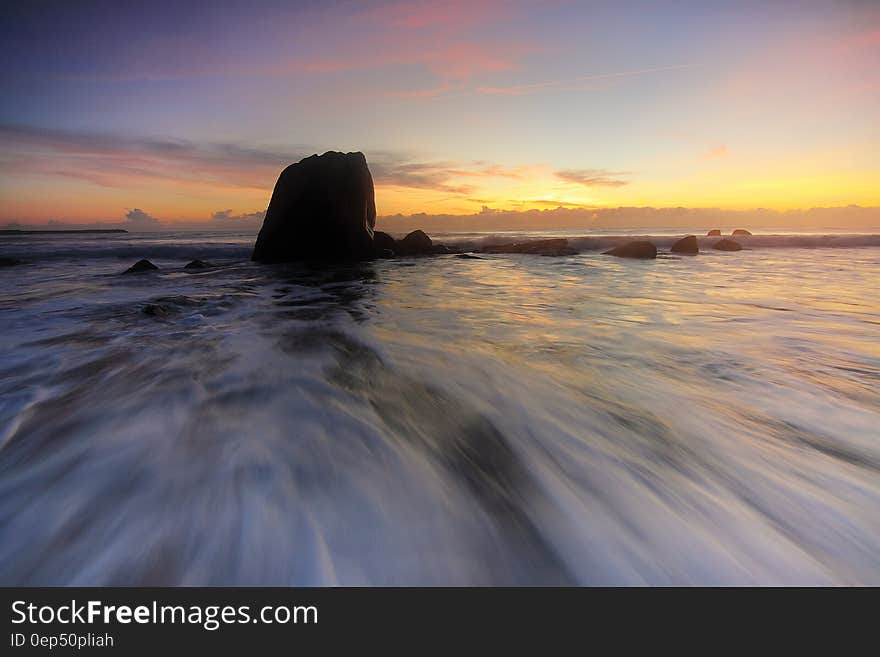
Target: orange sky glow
(461, 108)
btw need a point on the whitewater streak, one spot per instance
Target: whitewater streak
(504, 419)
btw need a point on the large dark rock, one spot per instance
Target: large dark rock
(416, 243)
(741, 231)
(9, 262)
(727, 245)
(383, 242)
(141, 265)
(321, 207)
(714, 233)
(686, 245)
(640, 249)
(551, 247)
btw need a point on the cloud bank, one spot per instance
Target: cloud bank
(851, 217)
(140, 220)
(228, 218)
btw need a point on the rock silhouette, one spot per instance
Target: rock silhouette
(741, 231)
(727, 245)
(714, 233)
(322, 207)
(639, 249)
(9, 262)
(383, 242)
(687, 245)
(140, 266)
(551, 247)
(415, 243)
(197, 264)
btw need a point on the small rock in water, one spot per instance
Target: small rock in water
(197, 264)
(551, 247)
(687, 245)
(468, 256)
(10, 262)
(727, 245)
(639, 249)
(141, 265)
(714, 233)
(156, 310)
(383, 242)
(416, 243)
(741, 231)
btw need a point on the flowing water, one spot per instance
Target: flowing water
(511, 419)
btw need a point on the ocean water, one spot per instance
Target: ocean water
(511, 419)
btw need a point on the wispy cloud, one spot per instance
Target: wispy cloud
(586, 82)
(593, 177)
(116, 161)
(422, 15)
(391, 169)
(810, 68)
(447, 60)
(446, 39)
(450, 42)
(136, 164)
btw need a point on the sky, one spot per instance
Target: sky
(159, 112)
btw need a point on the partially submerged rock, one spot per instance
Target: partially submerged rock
(727, 245)
(166, 306)
(322, 207)
(141, 266)
(382, 242)
(551, 247)
(639, 249)
(714, 233)
(10, 262)
(686, 245)
(156, 310)
(415, 243)
(741, 231)
(197, 264)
